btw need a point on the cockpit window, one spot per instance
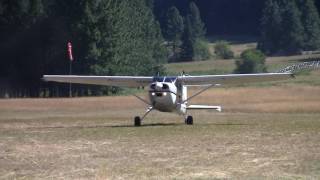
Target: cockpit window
(157, 79)
(170, 79)
(153, 86)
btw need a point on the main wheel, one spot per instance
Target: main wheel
(189, 120)
(137, 121)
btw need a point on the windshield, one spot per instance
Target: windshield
(169, 79)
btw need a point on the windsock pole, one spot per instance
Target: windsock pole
(69, 46)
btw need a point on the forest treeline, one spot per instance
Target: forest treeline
(109, 37)
(135, 37)
(236, 17)
(289, 27)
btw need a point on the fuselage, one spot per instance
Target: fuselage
(166, 95)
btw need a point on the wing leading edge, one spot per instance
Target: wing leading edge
(138, 81)
(233, 78)
(122, 81)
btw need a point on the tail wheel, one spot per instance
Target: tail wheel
(189, 120)
(137, 121)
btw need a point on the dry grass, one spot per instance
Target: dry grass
(264, 132)
(282, 99)
(239, 48)
(220, 66)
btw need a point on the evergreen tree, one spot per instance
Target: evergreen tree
(109, 37)
(311, 23)
(159, 51)
(281, 28)
(188, 42)
(22, 32)
(150, 4)
(137, 40)
(197, 26)
(174, 26)
(292, 40)
(174, 30)
(193, 37)
(271, 28)
(90, 32)
(36, 10)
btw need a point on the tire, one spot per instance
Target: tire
(189, 120)
(137, 121)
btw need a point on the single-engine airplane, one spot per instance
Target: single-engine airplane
(169, 93)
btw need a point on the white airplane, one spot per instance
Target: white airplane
(169, 94)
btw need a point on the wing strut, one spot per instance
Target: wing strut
(141, 99)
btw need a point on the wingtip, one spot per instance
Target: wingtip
(44, 78)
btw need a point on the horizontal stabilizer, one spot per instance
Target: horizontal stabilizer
(218, 108)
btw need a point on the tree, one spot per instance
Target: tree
(281, 28)
(174, 30)
(271, 28)
(311, 24)
(194, 47)
(110, 37)
(188, 42)
(252, 61)
(22, 46)
(36, 10)
(196, 24)
(292, 40)
(121, 36)
(136, 39)
(90, 33)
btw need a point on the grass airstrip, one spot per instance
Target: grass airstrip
(265, 130)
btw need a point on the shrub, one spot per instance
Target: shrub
(201, 50)
(252, 61)
(222, 50)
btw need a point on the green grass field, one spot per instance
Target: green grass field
(267, 131)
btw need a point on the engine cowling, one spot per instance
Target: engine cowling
(163, 96)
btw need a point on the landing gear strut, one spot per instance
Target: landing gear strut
(189, 120)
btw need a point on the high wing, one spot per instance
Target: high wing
(122, 81)
(139, 81)
(232, 78)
